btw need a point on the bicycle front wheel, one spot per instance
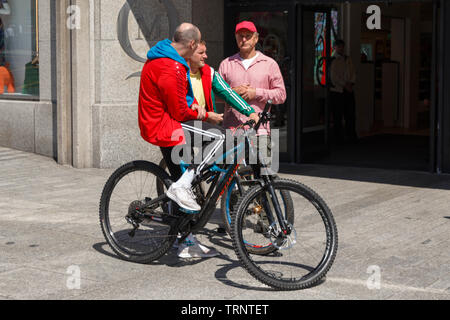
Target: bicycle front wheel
(304, 255)
(130, 235)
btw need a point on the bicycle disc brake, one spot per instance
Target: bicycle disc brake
(280, 240)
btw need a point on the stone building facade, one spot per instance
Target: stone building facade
(84, 112)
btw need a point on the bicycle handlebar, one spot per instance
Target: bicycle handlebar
(263, 115)
(250, 123)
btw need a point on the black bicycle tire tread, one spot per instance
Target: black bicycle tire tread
(284, 286)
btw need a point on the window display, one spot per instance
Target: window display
(19, 52)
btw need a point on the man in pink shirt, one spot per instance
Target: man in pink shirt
(254, 76)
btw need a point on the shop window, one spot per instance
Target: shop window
(334, 27)
(19, 49)
(320, 38)
(320, 27)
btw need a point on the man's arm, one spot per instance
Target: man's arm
(173, 89)
(224, 91)
(277, 90)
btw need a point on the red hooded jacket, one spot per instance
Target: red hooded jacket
(162, 102)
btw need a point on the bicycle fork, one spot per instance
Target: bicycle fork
(276, 205)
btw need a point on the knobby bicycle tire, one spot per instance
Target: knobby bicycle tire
(317, 272)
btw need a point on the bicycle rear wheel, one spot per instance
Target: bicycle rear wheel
(130, 235)
(304, 255)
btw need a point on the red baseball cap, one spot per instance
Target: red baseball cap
(245, 25)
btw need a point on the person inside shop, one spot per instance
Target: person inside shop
(342, 96)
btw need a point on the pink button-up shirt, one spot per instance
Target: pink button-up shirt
(264, 75)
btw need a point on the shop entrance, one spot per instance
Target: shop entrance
(393, 92)
(318, 29)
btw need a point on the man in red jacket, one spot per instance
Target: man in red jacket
(166, 100)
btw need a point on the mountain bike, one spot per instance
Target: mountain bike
(140, 223)
(243, 179)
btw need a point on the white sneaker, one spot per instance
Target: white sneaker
(184, 197)
(192, 248)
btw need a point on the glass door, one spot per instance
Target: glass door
(276, 40)
(317, 31)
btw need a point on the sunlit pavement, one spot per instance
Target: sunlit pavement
(393, 239)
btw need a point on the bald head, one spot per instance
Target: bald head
(186, 39)
(185, 33)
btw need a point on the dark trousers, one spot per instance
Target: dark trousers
(174, 168)
(343, 107)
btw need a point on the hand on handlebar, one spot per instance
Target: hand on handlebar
(254, 116)
(256, 120)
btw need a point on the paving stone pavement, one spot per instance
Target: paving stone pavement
(392, 221)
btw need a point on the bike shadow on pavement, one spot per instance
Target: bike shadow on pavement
(246, 282)
(226, 261)
(221, 242)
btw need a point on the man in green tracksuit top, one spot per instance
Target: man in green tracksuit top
(206, 83)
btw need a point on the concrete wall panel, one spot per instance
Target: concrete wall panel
(117, 138)
(17, 125)
(44, 129)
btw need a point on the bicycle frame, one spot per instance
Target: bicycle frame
(212, 173)
(207, 172)
(221, 179)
